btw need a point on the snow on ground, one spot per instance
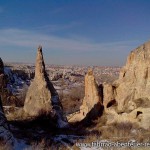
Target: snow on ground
(15, 82)
(65, 140)
(20, 145)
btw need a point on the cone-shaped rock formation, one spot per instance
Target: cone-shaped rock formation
(41, 95)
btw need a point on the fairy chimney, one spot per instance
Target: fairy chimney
(92, 102)
(41, 95)
(92, 98)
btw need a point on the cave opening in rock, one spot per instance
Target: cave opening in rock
(112, 103)
(138, 113)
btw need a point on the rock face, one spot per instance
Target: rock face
(131, 90)
(134, 79)
(5, 133)
(41, 95)
(92, 102)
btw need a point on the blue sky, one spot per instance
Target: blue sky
(86, 32)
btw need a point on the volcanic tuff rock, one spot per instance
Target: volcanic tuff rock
(92, 101)
(133, 85)
(38, 95)
(41, 95)
(5, 133)
(134, 79)
(92, 96)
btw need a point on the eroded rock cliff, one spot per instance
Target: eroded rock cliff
(132, 88)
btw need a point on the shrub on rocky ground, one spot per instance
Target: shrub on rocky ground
(71, 102)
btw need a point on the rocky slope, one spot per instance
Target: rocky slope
(15, 82)
(5, 133)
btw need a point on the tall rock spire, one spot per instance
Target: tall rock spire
(41, 95)
(38, 95)
(92, 102)
(40, 65)
(92, 97)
